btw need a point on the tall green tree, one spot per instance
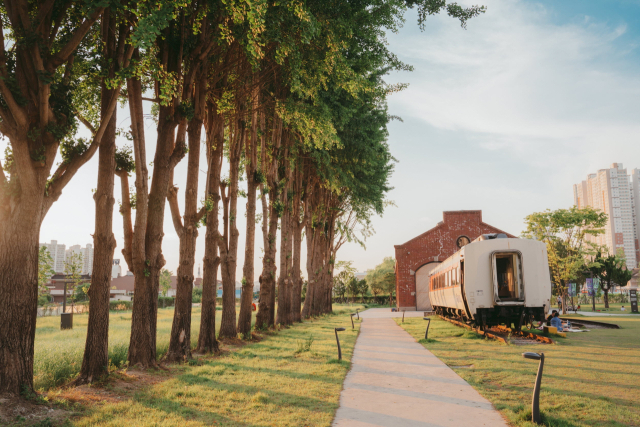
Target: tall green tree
(38, 45)
(165, 281)
(612, 271)
(45, 270)
(567, 234)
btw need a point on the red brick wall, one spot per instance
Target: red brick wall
(437, 244)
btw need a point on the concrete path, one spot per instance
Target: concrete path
(394, 381)
(596, 314)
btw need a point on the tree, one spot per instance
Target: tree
(363, 288)
(612, 271)
(45, 270)
(342, 280)
(339, 289)
(165, 281)
(38, 78)
(111, 49)
(374, 284)
(73, 269)
(567, 234)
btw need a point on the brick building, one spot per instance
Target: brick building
(417, 257)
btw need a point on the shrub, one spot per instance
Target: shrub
(166, 301)
(120, 305)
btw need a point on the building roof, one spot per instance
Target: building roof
(445, 216)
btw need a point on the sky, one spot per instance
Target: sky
(504, 116)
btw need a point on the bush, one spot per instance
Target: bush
(43, 300)
(166, 302)
(196, 295)
(120, 305)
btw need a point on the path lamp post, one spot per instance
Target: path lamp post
(426, 334)
(352, 326)
(338, 341)
(358, 313)
(535, 402)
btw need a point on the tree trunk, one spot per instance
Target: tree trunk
(309, 301)
(296, 276)
(284, 281)
(142, 344)
(95, 362)
(229, 246)
(215, 136)
(180, 340)
(284, 293)
(266, 308)
(19, 233)
(246, 298)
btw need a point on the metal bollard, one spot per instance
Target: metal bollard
(535, 401)
(338, 341)
(352, 326)
(358, 313)
(426, 334)
(403, 315)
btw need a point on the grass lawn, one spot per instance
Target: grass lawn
(58, 353)
(590, 378)
(290, 377)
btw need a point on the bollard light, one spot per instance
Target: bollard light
(338, 341)
(535, 401)
(358, 313)
(403, 315)
(352, 326)
(426, 334)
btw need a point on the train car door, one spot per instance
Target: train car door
(423, 302)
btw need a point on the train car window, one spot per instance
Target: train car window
(508, 275)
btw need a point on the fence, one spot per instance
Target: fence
(56, 310)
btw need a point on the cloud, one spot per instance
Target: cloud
(517, 81)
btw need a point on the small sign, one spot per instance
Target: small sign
(633, 297)
(590, 287)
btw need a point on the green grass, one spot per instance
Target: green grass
(290, 378)
(590, 378)
(58, 353)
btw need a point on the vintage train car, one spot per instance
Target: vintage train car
(493, 280)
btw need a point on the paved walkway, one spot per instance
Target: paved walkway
(596, 314)
(394, 381)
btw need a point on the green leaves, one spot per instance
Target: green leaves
(566, 233)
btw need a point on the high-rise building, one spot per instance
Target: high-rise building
(635, 208)
(86, 255)
(611, 191)
(57, 253)
(116, 270)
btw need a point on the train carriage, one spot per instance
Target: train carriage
(493, 280)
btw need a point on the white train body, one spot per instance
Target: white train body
(493, 280)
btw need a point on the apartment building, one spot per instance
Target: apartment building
(57, 252)
(86, 254)
(613, 192)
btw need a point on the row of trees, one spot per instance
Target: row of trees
(573, 255)
(290, 94)
(379, 281)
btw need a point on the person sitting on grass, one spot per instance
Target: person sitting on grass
(556, 322)
(549, 317)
